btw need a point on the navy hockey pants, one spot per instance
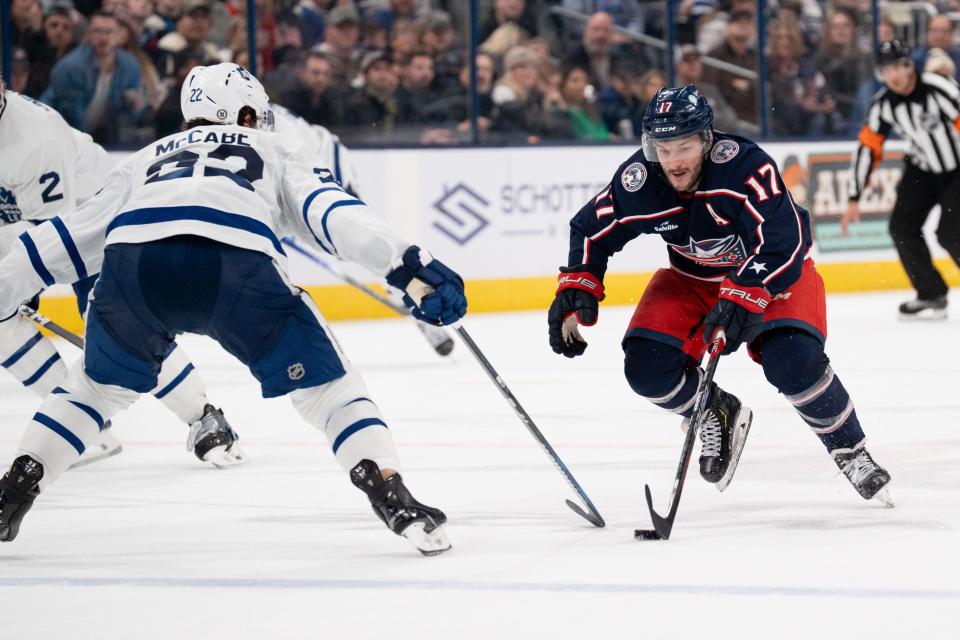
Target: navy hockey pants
(148, 293)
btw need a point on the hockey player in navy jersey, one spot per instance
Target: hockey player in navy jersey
(186, 236)
(46, 169)
(738, 250)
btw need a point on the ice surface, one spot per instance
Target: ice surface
(150, 544)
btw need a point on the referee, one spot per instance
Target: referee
(924, 109)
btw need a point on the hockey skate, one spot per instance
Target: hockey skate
(723, 433)
(400, 511)
(18, 490)
(213, 440)
(917, 309)
(867, 477)
(107, 445)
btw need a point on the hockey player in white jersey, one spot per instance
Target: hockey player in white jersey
(336, 157)
(46, 168)
(186, 236)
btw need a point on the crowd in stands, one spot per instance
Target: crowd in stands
(398, 71)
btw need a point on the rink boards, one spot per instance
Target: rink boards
(499, 217)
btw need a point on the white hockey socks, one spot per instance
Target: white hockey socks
(29, 357)
(70, 420)
(351, 421)
(180, 387)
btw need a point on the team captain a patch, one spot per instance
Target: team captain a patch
(634, 176)
(724, 151)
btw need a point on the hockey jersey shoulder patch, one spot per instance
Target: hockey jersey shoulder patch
(634, 176)
(724, 151)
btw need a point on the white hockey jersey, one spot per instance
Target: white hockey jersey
(240, 186)
(334, 155)
(46, 167)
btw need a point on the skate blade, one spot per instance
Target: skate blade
(96, 454)
(429, 544)
(223, 456)
(930, 315)
(883, 497)
(744, 420)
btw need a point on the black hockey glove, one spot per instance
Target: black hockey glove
(431, 290)
(739, 312)
(576, 303)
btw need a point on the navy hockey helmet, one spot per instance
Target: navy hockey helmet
(676, 113)
(893, 52)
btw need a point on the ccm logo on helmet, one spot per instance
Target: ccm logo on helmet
(661, 129)
(730, 293)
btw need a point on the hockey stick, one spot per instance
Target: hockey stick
(663, 526)
(30, 313)
(443, 348)
(593, 517)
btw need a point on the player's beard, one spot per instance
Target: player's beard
(688, 180)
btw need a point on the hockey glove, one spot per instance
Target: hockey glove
(739, 312)
(576, 303)
(431, 290)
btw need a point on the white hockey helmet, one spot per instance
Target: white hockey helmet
(216, 93)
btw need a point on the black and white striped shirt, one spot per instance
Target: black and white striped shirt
(929, 118)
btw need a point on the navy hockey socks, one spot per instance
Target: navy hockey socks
(794, 362)
(662, 374)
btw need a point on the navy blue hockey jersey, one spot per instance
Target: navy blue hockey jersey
(740, 222)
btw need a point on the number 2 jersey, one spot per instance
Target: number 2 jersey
(242, 187)
(741, 222)
(46, 166)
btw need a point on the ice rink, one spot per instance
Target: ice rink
(151, 544)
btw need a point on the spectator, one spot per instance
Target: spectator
(373, 37)
(129, 41)
(737, 49)
(309, 15)
(458, 101)
(579, 96)
(596, 52)
(398, 10)
(886, 31)
(651, 81)
(27, 19)
(192, 28)
(844, 68)
(519, 107)
(19, 70)
(508, 26)
(940, 35)
(620, 104)
(415, 97)
(791, 81)
(438, 40)
(689, 70)
(404, 39)
(939, 62)
(311, 98)
(168, 118)
(58, 42)
(373, 106)
(96, 87)
(340, 45)
(159, 24)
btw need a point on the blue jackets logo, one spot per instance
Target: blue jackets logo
(714, 252)
(460, 210)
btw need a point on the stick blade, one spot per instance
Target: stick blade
(593, 517)
(660, 524)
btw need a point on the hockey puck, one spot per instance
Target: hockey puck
(646, 534)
